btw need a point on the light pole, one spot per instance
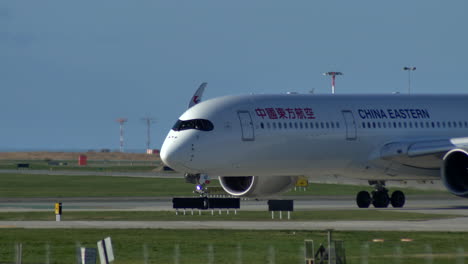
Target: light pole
(333, 74)
(148, 120)
(409, 69)
(122, 121)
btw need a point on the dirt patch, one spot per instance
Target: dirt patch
(74, 156)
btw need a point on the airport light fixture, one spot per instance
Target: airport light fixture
(333, 76)
(409, 69)
(121, 121)
(148, 121)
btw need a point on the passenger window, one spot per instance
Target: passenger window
(332, 125)
(262, 126)
(268, 125)
(306, 125)
(295, 125)
(301, 125)
(337, 125)
(416, 124)
(328, 125)
(274, 125)
(363, 125)
(279, 125)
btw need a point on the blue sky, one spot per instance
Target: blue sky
(68, 69)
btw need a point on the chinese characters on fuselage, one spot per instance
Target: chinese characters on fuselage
(285, 113)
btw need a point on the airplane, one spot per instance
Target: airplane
(258, 145)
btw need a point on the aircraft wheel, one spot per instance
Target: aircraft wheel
(398, 199)
(380, 199)
(363, 199)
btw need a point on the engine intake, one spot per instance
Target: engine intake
(455, 172)
(257, 186)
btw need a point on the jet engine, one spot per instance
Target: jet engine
(257, 186)
(455, 172)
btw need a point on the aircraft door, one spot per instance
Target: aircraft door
(246, 126)
(350, 125)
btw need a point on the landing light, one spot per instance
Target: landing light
(199, 187)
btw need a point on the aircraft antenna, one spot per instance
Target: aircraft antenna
(333, 75)
(148, 121)
(122, 121)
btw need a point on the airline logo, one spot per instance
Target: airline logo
(394, 113)
(285, 113)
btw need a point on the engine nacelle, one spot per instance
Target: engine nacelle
(257, 186)
(455, 172)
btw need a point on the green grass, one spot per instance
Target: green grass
(18, 185)
(346, 189)
(315, 215)
(72, 165)
(24, 185)
(255, 246)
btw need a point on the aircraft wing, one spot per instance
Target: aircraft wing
(422, 153)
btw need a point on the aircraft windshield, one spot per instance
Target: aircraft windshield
(198, 124)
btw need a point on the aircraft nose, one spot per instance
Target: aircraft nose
(173, 154)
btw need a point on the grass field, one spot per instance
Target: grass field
(315, 215)
(109, 166)
(17, 185)
(23, 185)
(228, 246)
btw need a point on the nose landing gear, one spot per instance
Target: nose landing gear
(201, 180)
(380, 198)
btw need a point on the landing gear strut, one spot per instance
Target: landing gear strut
(201, 180)
(379, 198)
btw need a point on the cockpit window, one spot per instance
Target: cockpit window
(198, 124)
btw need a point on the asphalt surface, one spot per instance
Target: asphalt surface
(448, 225)
(445, 205)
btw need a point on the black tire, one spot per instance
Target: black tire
(398, 199)
(363, 199)
(380, 199)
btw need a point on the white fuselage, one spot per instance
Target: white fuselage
(278, 135)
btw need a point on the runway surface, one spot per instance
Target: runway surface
(442, 205)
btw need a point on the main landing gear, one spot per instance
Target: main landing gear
(380, 198)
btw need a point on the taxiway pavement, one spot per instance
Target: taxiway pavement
(442, 205)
